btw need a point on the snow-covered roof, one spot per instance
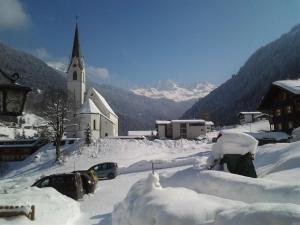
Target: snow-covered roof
(102, 99)
(141, 132)
(247, 113)
(89, 107)
(209, 123)
(290, 85)
(162, 122)
(278, 136)
(188, 121)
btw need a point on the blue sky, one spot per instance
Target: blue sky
(137, 42)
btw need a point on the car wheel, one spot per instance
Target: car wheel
(111, 176)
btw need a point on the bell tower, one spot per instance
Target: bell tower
(76, 72)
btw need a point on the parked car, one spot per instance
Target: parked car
(91, 173)
(107, 170)
(69, 184)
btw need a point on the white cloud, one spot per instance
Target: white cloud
(61, 64)
(12, 15)
(54, 62)
(41, 53)
(97, 72)
(58, 65)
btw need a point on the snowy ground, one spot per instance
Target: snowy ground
(181, 191)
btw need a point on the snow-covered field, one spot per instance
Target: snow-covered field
(182, 190)
(29, 121)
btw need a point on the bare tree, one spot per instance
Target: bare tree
(57, 107)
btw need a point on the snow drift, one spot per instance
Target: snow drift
(148, 203)
(52, 207)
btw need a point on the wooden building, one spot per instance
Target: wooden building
(282, 103)
(18, 150)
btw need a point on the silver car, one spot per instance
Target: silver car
(107, 170)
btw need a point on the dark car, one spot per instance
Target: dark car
(88, 183)
(69, 184)
(107, 170)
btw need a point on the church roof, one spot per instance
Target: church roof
(76, 45)
(76, 51)
(89, 107)
(102, 99)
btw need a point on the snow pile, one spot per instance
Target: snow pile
(231, 142)
(227, 185)
(51, 207)
(280, 162)
(149, 203)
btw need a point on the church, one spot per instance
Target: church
(91, 108)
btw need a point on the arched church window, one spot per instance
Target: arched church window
(74, 75)
(94, 124)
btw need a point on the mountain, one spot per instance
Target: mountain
(169, 89)
(138, 112)
(135, 112)
(278, 60)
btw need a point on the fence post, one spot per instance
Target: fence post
(153, 168)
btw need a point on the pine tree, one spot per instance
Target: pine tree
(88, 135)
(23, 134)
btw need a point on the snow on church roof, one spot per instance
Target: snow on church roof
(290, 85)
(89, 107)
(102, 99)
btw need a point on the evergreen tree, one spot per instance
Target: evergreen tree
(88, 135)
(23, 134)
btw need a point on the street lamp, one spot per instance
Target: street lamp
(12, 95)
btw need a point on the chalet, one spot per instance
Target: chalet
(249, 117)
(176, 129)
(282, 103)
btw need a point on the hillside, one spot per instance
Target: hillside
(278, 60)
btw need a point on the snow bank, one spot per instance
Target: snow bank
(279, 159)
(227, 185)
(148, 203)
(51, 207)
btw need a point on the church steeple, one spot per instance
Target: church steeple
(76, 45)
(76, 72)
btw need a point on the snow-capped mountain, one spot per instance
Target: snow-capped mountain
(171, 90)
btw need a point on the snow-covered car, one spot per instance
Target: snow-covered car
(69, 184)
(234, 152)
(107, 170)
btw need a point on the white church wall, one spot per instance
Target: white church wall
(94, 121)
(107, 127)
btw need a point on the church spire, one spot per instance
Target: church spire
(76, 45)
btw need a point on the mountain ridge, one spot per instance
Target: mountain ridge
(277, 60)
(169, 89)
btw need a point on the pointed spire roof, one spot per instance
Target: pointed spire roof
(76, 45)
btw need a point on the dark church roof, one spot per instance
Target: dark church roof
(76, 45)
(76, 49)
